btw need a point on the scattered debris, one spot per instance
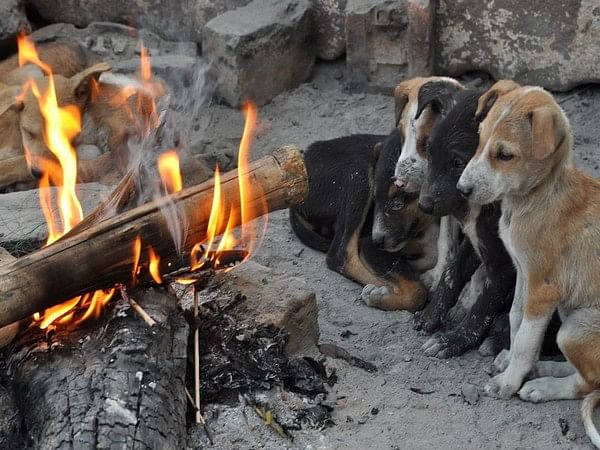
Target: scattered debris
(347, 333)
(564, 426)
(421, 391)
(334, 351)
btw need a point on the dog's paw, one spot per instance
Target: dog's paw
(500, 387)
(374, 296)
(428, 320)
(436, 346)
(501, 361)
(445, 345)
(542, 390)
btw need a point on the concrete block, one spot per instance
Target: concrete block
(260, 50)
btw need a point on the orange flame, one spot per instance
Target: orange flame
(154, 265)
(220, 215)
(61, 125)
(168, 168)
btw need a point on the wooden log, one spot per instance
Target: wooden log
(102, 255)
(119, 385)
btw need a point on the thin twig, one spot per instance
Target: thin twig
(199, 418)
(204, 424)
(136, 307)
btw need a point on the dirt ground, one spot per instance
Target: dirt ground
(382, 410)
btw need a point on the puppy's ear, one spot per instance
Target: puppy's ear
(81, 81)
(487, 100)
(10, 99)
(438, 94)
(548, 131)
(400, 100)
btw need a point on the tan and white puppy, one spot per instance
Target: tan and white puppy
(415, 126)
(550, 225)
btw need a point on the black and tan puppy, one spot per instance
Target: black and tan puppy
(453, 142)
(350, 182)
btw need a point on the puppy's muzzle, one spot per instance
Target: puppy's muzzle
(426, 204)
(464, 190)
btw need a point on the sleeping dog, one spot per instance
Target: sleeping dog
(350, 180)
(452, 143)
(550, 225)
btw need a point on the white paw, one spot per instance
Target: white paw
(500, 387)
(501, 361)
(373, 295)
(539, 390)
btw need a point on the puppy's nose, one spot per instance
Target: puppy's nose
(426, 204)
(400, 182)
(36, 173)
(377, 238)
(465, 191)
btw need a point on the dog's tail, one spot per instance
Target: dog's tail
(587, 412)
(306, 233)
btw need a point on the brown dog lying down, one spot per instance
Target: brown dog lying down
(550, 225)
(107, 120)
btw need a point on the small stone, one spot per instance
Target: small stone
(374, 411)
(470, 394)
(407, 358)
(571, 435)
(152, 385)
(139, 375)
(349, 419)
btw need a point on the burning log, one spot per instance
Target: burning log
(101, 256)
(114, 386)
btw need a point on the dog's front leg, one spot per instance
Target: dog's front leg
(515, 317)
(456, 274)
(492, 299)
(447, 247)
(525, 348)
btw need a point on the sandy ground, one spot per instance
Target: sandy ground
(440, 417)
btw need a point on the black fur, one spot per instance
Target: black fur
(346, 177)
(453, 141)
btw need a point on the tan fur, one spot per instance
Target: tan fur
(65, 58)
(407, 93)
(551, 226)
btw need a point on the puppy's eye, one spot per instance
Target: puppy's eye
(503, 154)
(458, 163)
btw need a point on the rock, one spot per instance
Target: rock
(12, 21)
(113, 42)
(553, 46)
(260, 50)
(177, 71)
(470, 393)
(330, 26)
(171, 19)
(387, 42)
(285, 302)
(22, 217)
